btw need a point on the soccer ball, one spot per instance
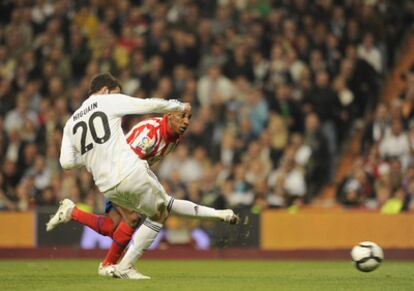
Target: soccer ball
(367, 256)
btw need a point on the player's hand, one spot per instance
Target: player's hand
(187, 108)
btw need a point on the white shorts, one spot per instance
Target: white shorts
(140, 191)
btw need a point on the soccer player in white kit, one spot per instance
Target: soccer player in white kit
(93, 138)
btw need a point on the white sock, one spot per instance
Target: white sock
(141, 240)
(190, 209)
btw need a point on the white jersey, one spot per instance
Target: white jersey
(93, 136)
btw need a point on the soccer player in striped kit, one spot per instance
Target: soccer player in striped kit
(151, 140)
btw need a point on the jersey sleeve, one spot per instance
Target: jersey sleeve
(124, 105)
(69, 157)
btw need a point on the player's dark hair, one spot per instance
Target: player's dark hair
(103, 80)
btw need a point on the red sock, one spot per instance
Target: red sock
(99, 223)
(122, 236)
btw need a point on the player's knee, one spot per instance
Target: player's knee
(115, 217)
(161, 215)
(133, 219)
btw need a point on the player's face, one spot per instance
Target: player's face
(179, 122)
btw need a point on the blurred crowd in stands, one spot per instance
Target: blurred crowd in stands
(382, 177)
(276, 87)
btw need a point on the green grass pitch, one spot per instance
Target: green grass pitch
(76, 275)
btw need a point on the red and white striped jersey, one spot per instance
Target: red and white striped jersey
(151, 139)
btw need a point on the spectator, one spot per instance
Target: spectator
(8, 64)
(214, 88)
(318, 166)
(395, 144)
(362, 80)
(289, 177)
(260, 68)
(150, 79)
(368, 52)
(15, 118)
(239, 65)
(4, 140)
(279, 131)
(40, 173)
(215, 57)
(47, 197)
(323, 101)
(256, 110)
(283, 104)
(346, 107)
(241, 193)
(376, 129)
(356, 189)
(394, 204)
(228, 152)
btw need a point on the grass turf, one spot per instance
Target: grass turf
(207, 275)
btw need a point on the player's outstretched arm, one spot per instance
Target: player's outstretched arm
(69, 156)
(124, 105)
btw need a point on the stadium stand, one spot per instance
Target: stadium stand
(277, 87)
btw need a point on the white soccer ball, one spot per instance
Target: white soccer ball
(367, 256)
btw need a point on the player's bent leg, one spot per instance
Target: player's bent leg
(100, 223)
(68, 211)
(115, 216)
(144, 194)
(141, 240)
(132, 218)
(190, 209)
(121, 238)
(62, 215)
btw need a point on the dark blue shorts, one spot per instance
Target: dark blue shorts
(108, 206)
